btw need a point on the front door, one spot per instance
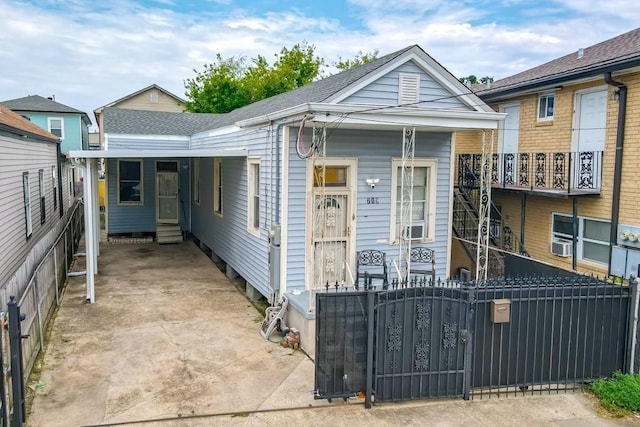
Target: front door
(509, 134)
(589, 136)
(167, 192)
(332, 224)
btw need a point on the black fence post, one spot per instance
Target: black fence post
(632, 338)
(467, 338)
(17, 369)
(370, 349)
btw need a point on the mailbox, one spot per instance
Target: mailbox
(500, 310)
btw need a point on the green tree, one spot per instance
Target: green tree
(227, 84)
(360, 59)
(471, 79)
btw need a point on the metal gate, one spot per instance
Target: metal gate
(416, 342)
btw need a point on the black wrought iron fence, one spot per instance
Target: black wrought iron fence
(516, 335)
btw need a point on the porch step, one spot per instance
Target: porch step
(168, 233)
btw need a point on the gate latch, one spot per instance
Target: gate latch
(464, 334)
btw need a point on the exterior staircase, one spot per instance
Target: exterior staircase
(168, 233)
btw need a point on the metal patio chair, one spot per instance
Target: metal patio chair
(371, 259)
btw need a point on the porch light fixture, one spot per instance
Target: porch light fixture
(372, 182)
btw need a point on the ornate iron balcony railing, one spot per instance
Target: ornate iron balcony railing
(558, 172)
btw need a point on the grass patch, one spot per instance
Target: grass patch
(619, 394)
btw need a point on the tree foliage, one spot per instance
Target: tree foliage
(472, 79)
(360, 59)
(227, 84)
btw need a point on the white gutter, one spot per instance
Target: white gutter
(351, 109)
(136, 154)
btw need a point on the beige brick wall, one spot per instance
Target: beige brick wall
(556, 135)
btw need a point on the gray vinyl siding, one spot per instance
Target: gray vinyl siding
(384, 91)
(160, 142)
(18, 156)
(374, 151)
(125, 218)
(227, 235)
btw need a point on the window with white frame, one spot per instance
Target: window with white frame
(54, 186)
(26, 191)
(130, 182)
(217, 186)
(43, 210)
(546, 105)
(196, 181)
(592, 239)
(419, 224)
(56, 126)
(253, 195)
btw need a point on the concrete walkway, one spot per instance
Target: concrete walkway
(170, 339)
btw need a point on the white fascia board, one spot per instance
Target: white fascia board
(298, 110)
(137, 154)
(225, 130)
(126, 136)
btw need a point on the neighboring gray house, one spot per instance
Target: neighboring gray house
(35, 193)
(286, 190)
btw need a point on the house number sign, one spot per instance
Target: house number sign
(373, 201)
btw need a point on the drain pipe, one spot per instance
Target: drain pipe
(617, 171)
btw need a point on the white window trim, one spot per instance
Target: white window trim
(251, 192)
(41, 197)
(580, 238)
(546, 118)
(141, 202)
(61, 125)
(54, 186)
(26, 189)
(432, 164)
(196, 181)
(218, 187)
(402, 95)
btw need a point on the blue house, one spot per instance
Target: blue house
(67, 123)
(288, 190)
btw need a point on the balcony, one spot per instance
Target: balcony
(555, 174)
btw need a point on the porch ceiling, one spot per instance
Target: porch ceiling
(137, 154)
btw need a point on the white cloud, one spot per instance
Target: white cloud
(90, 54)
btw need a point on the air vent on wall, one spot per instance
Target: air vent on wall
(409, 90)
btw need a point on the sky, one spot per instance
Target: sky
(89, 53)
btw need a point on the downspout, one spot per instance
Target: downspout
(617, 171)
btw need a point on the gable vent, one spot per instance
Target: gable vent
(409, 90)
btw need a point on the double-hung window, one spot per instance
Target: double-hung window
(56, 126)
(253, 200)
(415, 222)
(54, 186)
(130, 182)
(592, 239)
(546, 105)
(26, 191)
(217, 186)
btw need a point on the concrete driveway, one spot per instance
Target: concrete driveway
(169, 335)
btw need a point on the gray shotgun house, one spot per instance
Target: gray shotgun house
(288, 190)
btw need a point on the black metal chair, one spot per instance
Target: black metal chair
(371, 258)
(423, 263)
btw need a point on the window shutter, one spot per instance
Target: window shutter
(409, 90)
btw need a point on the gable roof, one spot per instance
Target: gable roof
(142, 122)
(14, 123)
(618, 53)
(325, 90)
(39, 104)
(136, 93)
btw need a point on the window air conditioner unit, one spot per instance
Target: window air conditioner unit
(562, 248)
(414, 232)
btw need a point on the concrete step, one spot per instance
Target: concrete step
(168, 233)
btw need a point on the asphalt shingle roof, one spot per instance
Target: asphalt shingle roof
(619, 49)
(139, 122)
(40, 104)
(15, 123)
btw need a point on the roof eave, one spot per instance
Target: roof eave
(550, 81)
(24, 133)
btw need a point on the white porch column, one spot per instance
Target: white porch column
(89, 229)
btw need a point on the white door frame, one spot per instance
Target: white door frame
(177, 173)
(575, 134)
(352, 179)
